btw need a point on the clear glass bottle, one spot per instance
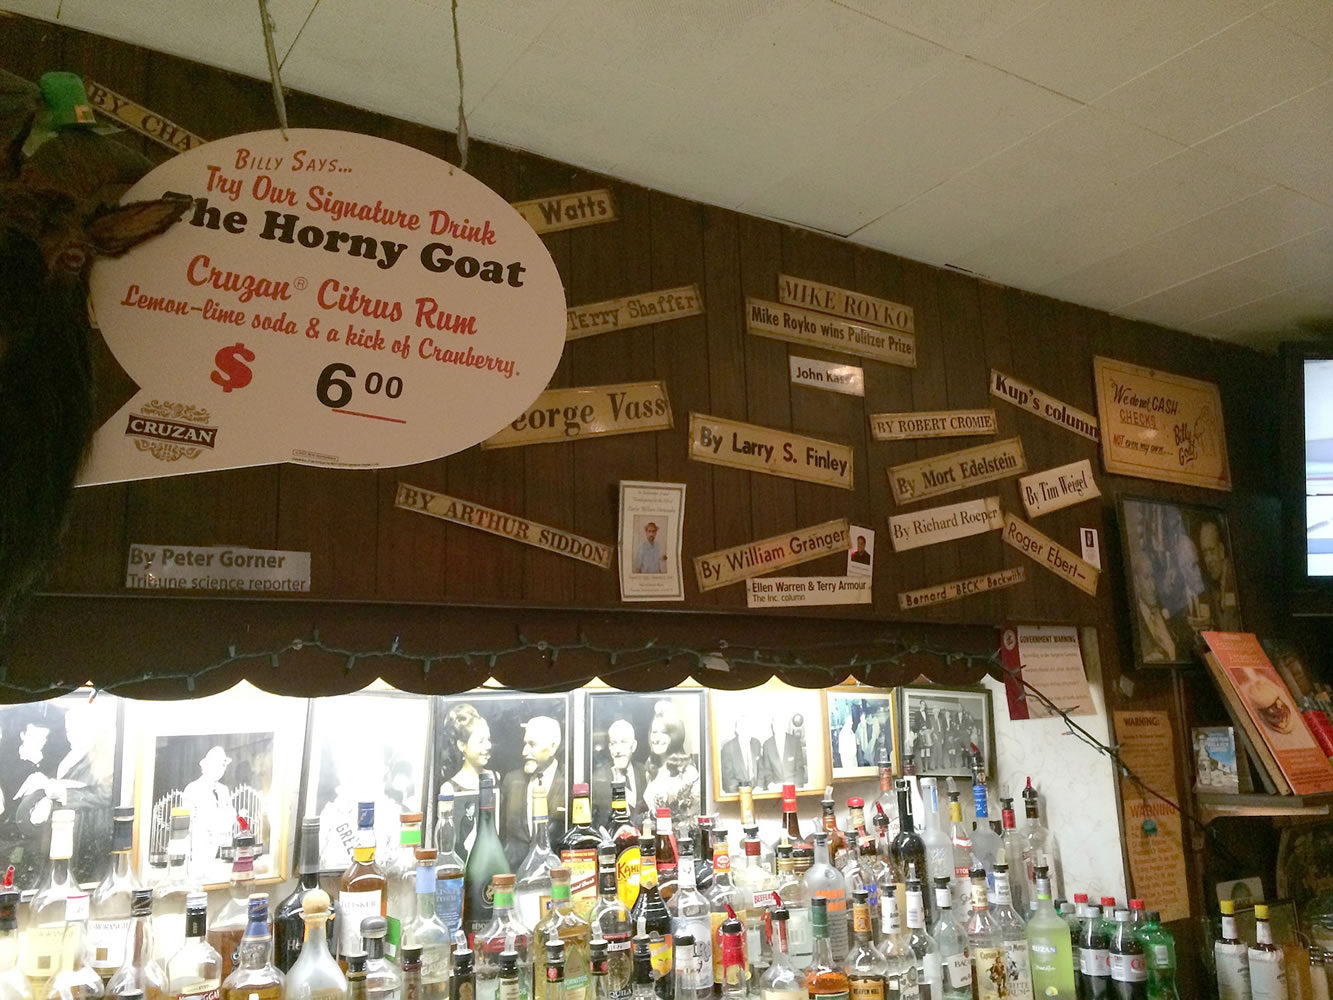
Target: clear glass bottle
(1013, 930)
(563, 923)
(361, 890)
(1268, 970)
(424, 930)
(195, 971)
(463, 985)
(824, 977)
(1039, 846)
(411, 969)
(781, 980)
(735, 975)
(985, 841)
(986, 943)
(400, 892)
(929, 961)
(599, 967)
(225, 929)
(961, 839)
(74, 979)
(610, 921)
(532, 887)
(511, 984)
(315, 974)
(1129, 969)
(859, 875)
(756, 885)
(888, 801)
(865, 966)
(551, 968)
(485, 860)
(642, 981)
(822, 881)
(109, 919)
(1011, 842)
(899, 959)
(384, 981)
(47, 913)
(687, 969)
(1094, 956)
(690, 915)
(1049, 946)
(951, 939)
(356, 976)
(1159, 948)
(721, 896)
(289, 925)
(171, 894)
(140, 971)
(449, 883)
(255, 977)
(506, 932)
(939, 849)
(796, 902)
(13, 984)
(837, 840)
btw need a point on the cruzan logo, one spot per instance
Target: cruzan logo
(171, 431)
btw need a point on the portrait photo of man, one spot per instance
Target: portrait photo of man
(621, 765)
(542, 738)
(860, 554)
(650, 555)
(767, 737)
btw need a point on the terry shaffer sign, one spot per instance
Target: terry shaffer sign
(330, 299)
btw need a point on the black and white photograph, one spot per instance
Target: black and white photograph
(651, 741)
(370, 746)
(521, 740)
(767, 737)
(861, 553)
(938, 727)
(231, 759)
(58, 754)
(1181, 578)
(860, 724)
(651, 521)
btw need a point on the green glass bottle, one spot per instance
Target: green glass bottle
(486, 859)
(1159, 948)
(1051, 953)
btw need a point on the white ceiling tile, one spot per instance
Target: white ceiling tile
(956, 24)
(1291, 314)
(1312, 19)
(1236, 73)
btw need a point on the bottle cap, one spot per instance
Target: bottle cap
(663, 812)
(446, 795)
(1260, 911)
(705, 822)
(141, 903)
(617, 790)
(783, 850)
(411, 955)
(123, 814)
(1121, 915)
(406, 818)
(485, 780)
(1093, 910)
(196, 900)
(1080, 897)
(365, 815)
(942, 881)
(9, 909)
(860, 897)
(130, 995)
(371, 927)
(647, 845)
(606, 855)
(1136, 904)
(683, 938)
(555, 951)
(597, 949)
(856, 802)
(686, 850)
(315, 903)
(751, 848)
(462, 960)
(1228, 907)
(258, 908)
(426, 854)
(356, 963)
(580, 791)
(310, 826)
(509, 960)
(559, 873)
(502, 882)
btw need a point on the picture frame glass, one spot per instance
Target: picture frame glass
(768, 736)
(859, 723)
(937, 726)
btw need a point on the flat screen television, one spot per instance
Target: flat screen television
(1307, 476)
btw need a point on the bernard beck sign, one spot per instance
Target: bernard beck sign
(331, 299)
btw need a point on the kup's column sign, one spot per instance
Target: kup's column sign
(332, 299)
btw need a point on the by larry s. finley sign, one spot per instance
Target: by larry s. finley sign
(1161, 426)
(569, 414)
(957, 470)
(727, 566)
(330, 299)
(719, 441)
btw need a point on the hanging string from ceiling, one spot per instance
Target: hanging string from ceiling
(462, 118)
(274, 67)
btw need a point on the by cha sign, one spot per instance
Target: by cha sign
(330, 299)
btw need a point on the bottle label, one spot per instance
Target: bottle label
(943, 898)
(715, 924)
(448, 902)
(1003, 894)
(841, 995)
(1161, 957)
(582, 865)
(392, 936)
(861, 919)
(690, 971)
(980, 898)
(1233, 971)
(991, 976)
(800, 936)
(908, 987)
(1019, 969)
(199, 991)
(1229, 927)
(260, 992)
(659, 949)
(869, 988)
(958, 970)
(1095, 962)
(837, 919)
(1268, 975)
(41, 953)
(916, 910)
(1128, 968)
(1263, 932)
(931, 968)
(106, 943)
(771, 994)
(627, 876)
(507, 990)
(353, 907)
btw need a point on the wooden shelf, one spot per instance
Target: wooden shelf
(1215, 805)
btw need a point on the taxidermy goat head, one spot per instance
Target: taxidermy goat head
(60, 181)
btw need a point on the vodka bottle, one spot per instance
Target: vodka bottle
(986, 943)
(929, 961)
(1268, 970)
(687, 969)
(1039, 846)
(315, 974)
(424, 930)
(400, 891)
(1011, 842)
(1018, 963)
(1048, 942)
(109, 919)
(961, 840)
(985, 841)
(951, 939)
(140, 972)
(822, 881)
(939, 848)
(690, 915)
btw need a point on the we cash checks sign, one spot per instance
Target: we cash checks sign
(328, 299)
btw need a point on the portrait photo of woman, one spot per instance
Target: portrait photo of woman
(671, 771)
(464, 746)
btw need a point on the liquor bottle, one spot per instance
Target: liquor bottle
(929, 960)
(690, 915)
(383, 979)
(563, 923)
(74, 979)
(866, 971)
(789, 832)
(289, 923)
(666, 854)
(939, 849)
(1039, 846)
(356, 976)
(1094, 956)
(599, 967)
(795, 900)
(425, 931)
(825, 977)
(856, 817)
(914, 802)
(1129, 969)
(908, 847)
(485, 860)
(703, 853)
(140, 971)
(858, 875)
(13, 985)
(578, 853)
(47, 920)
(255, 977)
(756, 885)
(511, 985)
(625, 837)
(170, 896)
(822, 881)
(887, 802)
(411, 970)
(400, 877)
(735, 982)
(899, 959)
(1268, 969)
(532, 882)
(641, 982)
(781, 980)
(986, 944)
(507, 931)
(837, 840)
(951, 939)
(463, 983)
(551, 968)
(985, 841)
(195, 971)
(1018, 961)
(1049, 946)
(361, 890)
(448, 866)
(722, 897)
(1011, 842)
(315, 974)
(650, 915)
(883, 843)
(687, 969)
(961, 840)
(1159, 948)
(109, 919)
(610, 922)
(225, 930)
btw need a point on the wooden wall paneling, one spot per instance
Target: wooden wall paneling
(725, 312)
(680, 354)
(767, 385)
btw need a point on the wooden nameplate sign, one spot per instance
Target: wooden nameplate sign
(804, 326)
(626, 313)
(957, 470)
(568, 211)
(740, 562)
(1036, 402)
(570, 414)
(719, 441)
(956, 590)
(1050, 554)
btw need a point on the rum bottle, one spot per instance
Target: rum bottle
(140, 972)
(690, 915)
(195, 971)
(825, 977)
(225, 930)
(315, 975)
(109, 914)
(255, 977)
(485, 860)
(1018, 960)
(289, 923)
(1268, 969)
(448, 866)
(951, 939)
(578, 853)
(361, 889)
(984, 940)
(506, 932)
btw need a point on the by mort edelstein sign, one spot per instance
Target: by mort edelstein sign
(570, 414)
(956, 590)
(727, 566)
(804, 326)
(932, 424)
(1036, 402)
(941, 524)
(957, 470)
(1050, 554)
(632, 310)
(1161, 426)
(843, 302)
(719, 441)
(1055, 489)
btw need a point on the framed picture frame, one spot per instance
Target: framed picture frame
(1180, 576)
(653, 740)
(238, 753)
(937, 726)
(1305, 863)
(859, 723)
(369, 746)
(63, 753)
(769, 736)
(520, 738)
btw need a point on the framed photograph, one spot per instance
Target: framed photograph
(767, 736)
(860, 724)
(652, 518)
(861, 553)
(371, 746)
(1305, 863)
(521, 739)
(227, 757)
(1180, 575)
(653, 741)
(59, 754)
(939, 725)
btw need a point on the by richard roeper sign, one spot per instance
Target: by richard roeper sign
(330, 299)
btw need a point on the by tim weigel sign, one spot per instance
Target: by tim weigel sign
(329, 299)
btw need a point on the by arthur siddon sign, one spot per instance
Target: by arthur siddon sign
(330, 299)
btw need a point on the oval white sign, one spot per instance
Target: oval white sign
(331, 299)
